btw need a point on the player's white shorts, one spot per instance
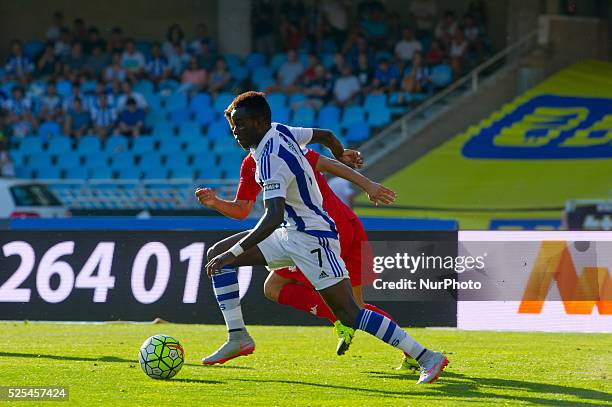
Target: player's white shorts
(317, 257)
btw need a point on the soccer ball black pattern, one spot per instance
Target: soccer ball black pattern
(161, 357)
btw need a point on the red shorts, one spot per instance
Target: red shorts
(352, 238)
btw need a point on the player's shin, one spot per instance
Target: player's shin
(225, 286)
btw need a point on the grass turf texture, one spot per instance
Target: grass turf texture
(297, 366)
(444, 178)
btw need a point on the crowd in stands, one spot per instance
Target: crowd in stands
(83, 80)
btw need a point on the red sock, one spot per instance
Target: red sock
(307, 300)
(381, 312)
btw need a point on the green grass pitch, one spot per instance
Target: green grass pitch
(297, 366)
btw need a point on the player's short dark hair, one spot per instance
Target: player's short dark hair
(255, 102)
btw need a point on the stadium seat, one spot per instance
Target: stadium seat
(254, 60)
(68, 160)
(238, 72)
(169, 146)
(231, 60)
(179, 117)
(352, 114)
(146, 87)
(197, 147)
(48, 173)
(441, 75)
(155, 103)
(183, 172)
(218, 129)
(358, 132)
(64, 88)
(24, 172)
(224, 144)
(189, 130)
(163, 130)
(168, 86)
(175, 101)
(76, 173)
(208, 173)
(88, 144)
(96, 159)
(121, 160)
(276, 100)
(17, 157)
(328, 116)
(303, 117)
(222, 101)
(59, 145)
(262, 73)
(379, 116)
(199, 102)
(328, 60)
(128, 173)
(149, 160)
(39, 160)
(32, 49)
(264, 84)
(155, 173)
(143, 145)
(383, 54)
(31, 144)
(281, 114)
(115, 144)
(49, 129)
(277, 60)
(205, 116)
(180, 159)
(296, 98)
(374, 101)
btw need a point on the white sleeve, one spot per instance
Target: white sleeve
(275, 175)
(302, 135)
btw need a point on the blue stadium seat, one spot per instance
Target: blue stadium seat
(208, 173)
(181, 172)
(276, 100)
(254, 60)
(198, 148)
(31, 144)
(180, 159)
(76, 173)
(128, 173)
(17, 157)
(441, 75)
(120, 160)
(59, 145)
(374, 101)
(262, 73)
(68, 160)
(264, 84)
(33, 48)
(394, 98)
(328, 116)
(304, 117)
(205, 116)
(163, 130)
(179, 117)
(48, 173)
(231, 60)
(352, 114)
(218, 129)
(296, 98)
(175, 101)
(64, 88)
(169, 146)
(151, 159)
(281, 114)
(96, 159)
(379, 116)
(238, 72)
(49, 129)
(39, 160)
(277, 60)
(24, 172)
(143, 145)
(358, 132)
(199, 102)
(155, 103)
(145, 86)
(224, 144)
(88, 144)
(116, 144)
(101, 173)
(168, 86)
(222, 101)
(189, 130)
(155, 173)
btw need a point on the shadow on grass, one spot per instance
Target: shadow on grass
(198, 381)
(459, 386)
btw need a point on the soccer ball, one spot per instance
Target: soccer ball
(161, 357)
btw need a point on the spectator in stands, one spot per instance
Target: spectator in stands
(7, 169)
(219, 78)
(262, 19)
(131, 120)
(78, 120)
(200, 38)
(103, 117)
(64, 44)
(18, 66)
(435, 55)
(157, 67)
(93, 40)
(97, 61)
(207, 57)
(347, 88)
(132, 60)
(386, 77)
(446, 28)
(115, 71)
(115, 41)
(50, 104)
(473, 34)
(309, 72)
(364, 72)
(336, 70)
(194, 78)
(175, 36)
(129, 93)
(76, 61)
(423, 14)
(405, 49)
(316, 88)
(458, 50)
(19, 110)
(47, 62)
(178, 61)
(79, 31)
(289, 73)
(335, 13)
(418, 80)
(54, 32)
(75, 93)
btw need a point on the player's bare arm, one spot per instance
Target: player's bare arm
(274, 215)
(376, 192)
(236, 209)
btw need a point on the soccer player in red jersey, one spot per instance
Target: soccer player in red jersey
(289, 286)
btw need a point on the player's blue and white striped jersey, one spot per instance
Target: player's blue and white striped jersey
(283, 171)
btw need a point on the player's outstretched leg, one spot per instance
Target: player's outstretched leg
(225, 286)
(340, 299)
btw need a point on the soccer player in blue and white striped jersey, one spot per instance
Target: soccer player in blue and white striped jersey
(294, 230)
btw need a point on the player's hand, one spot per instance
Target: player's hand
(351, 158)
(206, 196)
(379, 194)
(215, 265)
